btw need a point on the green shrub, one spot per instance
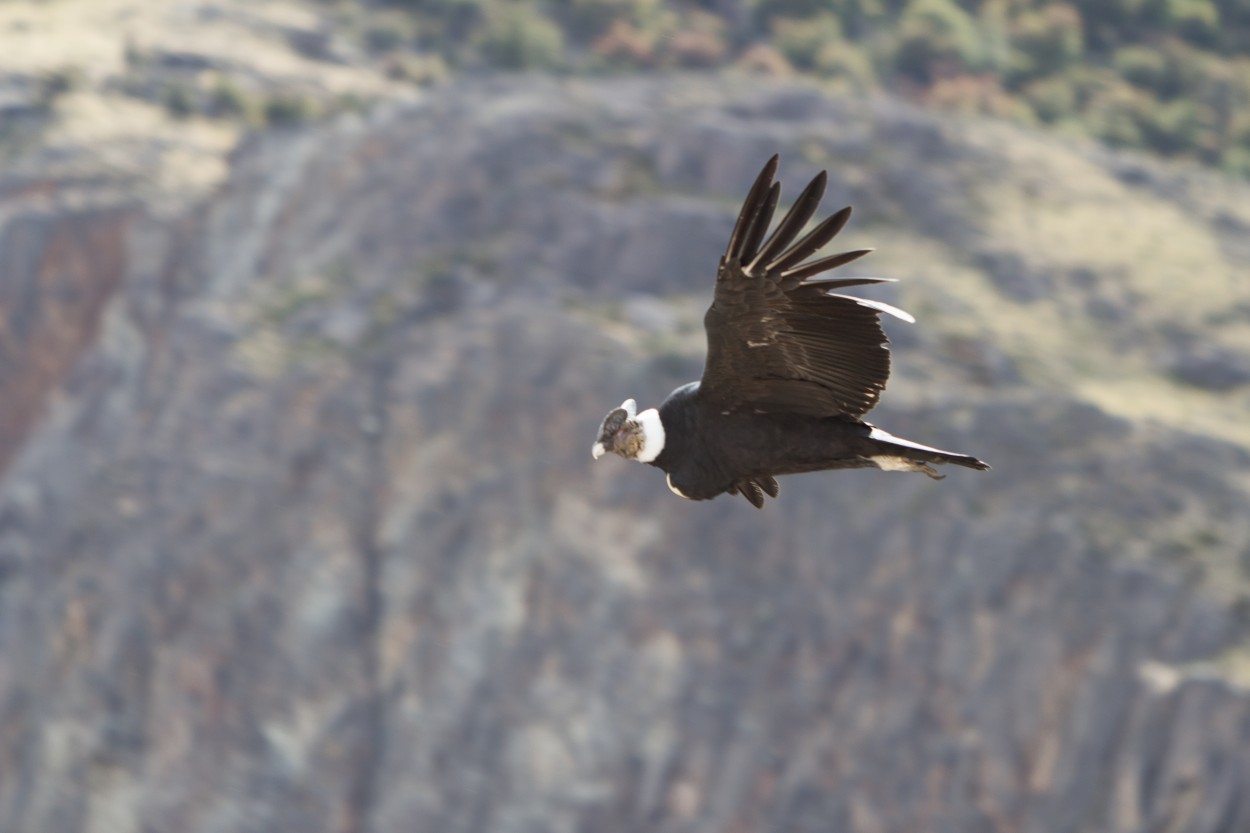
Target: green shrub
(1141, 65)
(1236, 158)
(803, 40)
(449, 26)
(417, 69)
(1052, 99)
(1093, 83)
(179, 100)
(441, 7)
(846, 63)
(1046, 41)
(1110, 23)
(1195, 20)
(387, 35)
(1187, 69)
(285, 109)
(799, 9)
(994, 23)
(590, 19)
(1177, 127)
(1116, 116)
(1170, 69)
(1233, 99)
(228, 101)
(855, 16)
(936, 39)
(520, 37)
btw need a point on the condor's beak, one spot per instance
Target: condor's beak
(597, 450)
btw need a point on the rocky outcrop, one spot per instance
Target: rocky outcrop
(309, 539)
(59, 268)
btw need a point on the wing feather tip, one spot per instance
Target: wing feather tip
(790, 226)
(755, 199)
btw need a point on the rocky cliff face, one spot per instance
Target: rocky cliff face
(61, 267)
(299, 529)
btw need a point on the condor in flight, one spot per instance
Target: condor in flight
(792, 366)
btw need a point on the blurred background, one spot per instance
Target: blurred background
(309, 312)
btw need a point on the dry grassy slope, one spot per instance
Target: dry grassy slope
(1115, 271)
(109, 50)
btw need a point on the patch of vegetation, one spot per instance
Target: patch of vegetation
(414, 68)
(514, 37)
(57, 83)
(1170, 76)
(228, 101)
(288, 108)
(180, 100)
(390, 32)
(225, 100)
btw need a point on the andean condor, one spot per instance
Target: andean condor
(792, 366)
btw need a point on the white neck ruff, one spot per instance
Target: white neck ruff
(652, 435)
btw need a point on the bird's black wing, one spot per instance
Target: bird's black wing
(779, 341)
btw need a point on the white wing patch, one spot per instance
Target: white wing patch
(757, 343)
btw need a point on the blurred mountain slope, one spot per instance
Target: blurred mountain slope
(156, 94)
(307, 536)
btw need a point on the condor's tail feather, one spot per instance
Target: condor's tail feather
(907, 452)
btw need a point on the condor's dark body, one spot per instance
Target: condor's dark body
(709, 453)
(706, 453)
(793, 365)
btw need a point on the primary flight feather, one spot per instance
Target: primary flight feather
(792, 366)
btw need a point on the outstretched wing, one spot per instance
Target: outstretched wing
(779, 340)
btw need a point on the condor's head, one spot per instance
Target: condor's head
(633, 435)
